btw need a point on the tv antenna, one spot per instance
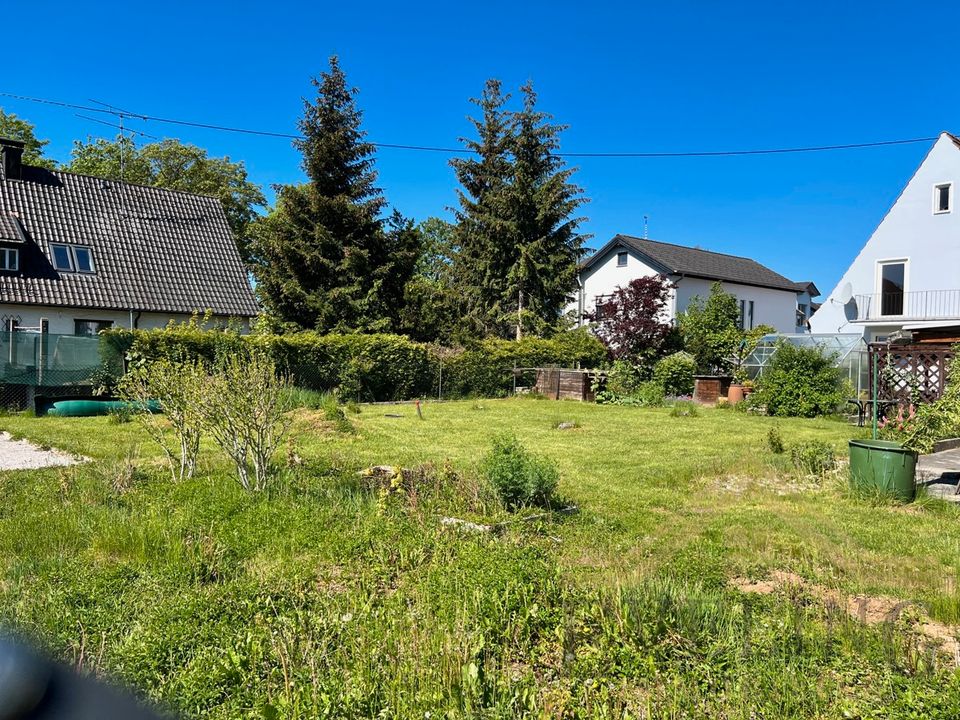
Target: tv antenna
(645, 225)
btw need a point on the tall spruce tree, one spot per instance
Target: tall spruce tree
(543, 203)
(484, 224)
(516, 225)
(324, 258)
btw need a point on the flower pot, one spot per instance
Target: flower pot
(735, 394)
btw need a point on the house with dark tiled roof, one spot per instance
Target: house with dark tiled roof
(765, 296)
(82, 253)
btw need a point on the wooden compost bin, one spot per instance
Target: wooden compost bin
(559, 384)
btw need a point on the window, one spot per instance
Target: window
(621, 259)
(801, 314)
(72, 258)
(893, 277)
(90, 327)
(9, 259)
(746, 315)
(942, 198)
(83, 258)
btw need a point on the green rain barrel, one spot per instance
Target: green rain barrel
(883, 466)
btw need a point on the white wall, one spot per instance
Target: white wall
(604, 277)
(777, 308)
(929, 242)
(62, 319)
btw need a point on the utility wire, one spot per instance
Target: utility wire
(460, 151)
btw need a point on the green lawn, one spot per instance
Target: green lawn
(324, 599)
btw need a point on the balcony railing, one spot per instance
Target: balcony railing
(899, 306)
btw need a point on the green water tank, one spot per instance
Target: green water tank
(883, 466)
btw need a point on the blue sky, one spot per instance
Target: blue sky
(640, 76)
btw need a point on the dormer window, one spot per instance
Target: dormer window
(72, 258)
(9, 259)
(942, 198)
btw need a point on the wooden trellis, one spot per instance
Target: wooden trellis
(909, 373)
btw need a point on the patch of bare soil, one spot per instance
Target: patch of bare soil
(870, 610)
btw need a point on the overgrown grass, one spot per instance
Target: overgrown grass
(327, 597)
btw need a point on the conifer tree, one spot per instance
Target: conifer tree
(484, 225)
(516, 225)
(543, 203)
(324, 258)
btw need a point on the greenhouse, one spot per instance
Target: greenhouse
(849, 350)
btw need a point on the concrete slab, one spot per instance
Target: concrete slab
(939, 473)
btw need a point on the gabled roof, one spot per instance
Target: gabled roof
(153, 250)
(807, 286)
(693, 262)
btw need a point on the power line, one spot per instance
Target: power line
(110, 110)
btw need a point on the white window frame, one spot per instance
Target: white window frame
(7, 265)
(877, 312)
(936, 198)
(626, 258)
(72, 257)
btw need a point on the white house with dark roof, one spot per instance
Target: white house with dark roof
(765, 296)
(906, 278)
(83, 253)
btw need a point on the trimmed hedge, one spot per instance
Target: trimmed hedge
(365, 367)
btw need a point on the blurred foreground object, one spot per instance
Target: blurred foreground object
(34, 688)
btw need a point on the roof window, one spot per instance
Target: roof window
(72, 258)
(9, 259)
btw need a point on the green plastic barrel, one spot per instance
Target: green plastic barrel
(883, 466)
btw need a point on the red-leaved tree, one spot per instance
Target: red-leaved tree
(632, 323)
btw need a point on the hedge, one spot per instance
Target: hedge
(366, 367)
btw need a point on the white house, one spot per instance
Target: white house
(82, 253)
(766, 297)
(907, 277)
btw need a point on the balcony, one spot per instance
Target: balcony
(899, 307)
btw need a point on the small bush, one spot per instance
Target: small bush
(651, 394)
(333, 413)
(775, 441)
(519, 477)
(813, 457)
(675, 373)
(800, 382)
(684, 408)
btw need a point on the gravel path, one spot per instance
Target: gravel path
(22, 455)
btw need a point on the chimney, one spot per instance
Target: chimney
(11, 159)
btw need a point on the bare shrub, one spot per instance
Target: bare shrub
(244, 409)
(178, 387)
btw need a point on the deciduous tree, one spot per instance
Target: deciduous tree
(633, 323)
(16, 128)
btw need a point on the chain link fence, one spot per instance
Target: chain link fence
(35, 364)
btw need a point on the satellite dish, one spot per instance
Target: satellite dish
(846, 293)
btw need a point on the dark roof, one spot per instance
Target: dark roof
(694, 262)
(153, 250)
(807, 286)
(10, 229)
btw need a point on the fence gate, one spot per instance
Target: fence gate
(909, 373)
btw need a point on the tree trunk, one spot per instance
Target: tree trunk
(519, 314)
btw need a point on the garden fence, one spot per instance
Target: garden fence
(34, 363)
(909, 374)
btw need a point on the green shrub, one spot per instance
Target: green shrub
(333, 413)
(684, 408)
(800, 382)
(675, 373)
(813, 457)
(623, 379)
(651, 394)
(775, 441)
(519, 477)
(360, 367)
